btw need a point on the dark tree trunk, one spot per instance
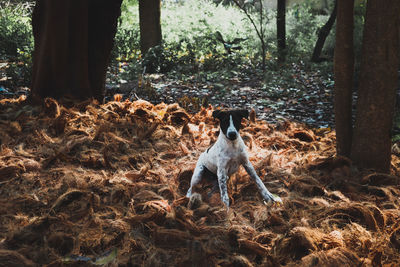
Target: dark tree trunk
(371, 146)
(73, 41)
(281, 29)
(344, 69)
(103, 22)
(323, 34)
(150, 24)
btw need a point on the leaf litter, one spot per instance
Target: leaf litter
(295, 92)
(104, 184)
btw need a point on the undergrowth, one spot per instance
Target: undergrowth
(197, 43)
(192, 46)
(16, 41)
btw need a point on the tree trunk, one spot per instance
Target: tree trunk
(344, 69)
(103, 22)
(73, 41)
(150, 24)
(371, 146)
(281, 29)
(324, 32)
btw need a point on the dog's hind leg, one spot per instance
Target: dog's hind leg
(196, 178)
(261, 187)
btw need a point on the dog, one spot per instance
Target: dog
(226, 155)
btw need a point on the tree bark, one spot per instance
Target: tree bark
(73, 41)
(324, 32)
(343, 70)
(371, 146)
(103, 22)
(281, 30)
(150, 24)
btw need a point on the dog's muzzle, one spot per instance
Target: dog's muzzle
(232, 135)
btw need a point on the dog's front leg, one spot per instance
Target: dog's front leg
(261, 187)
(222, 180)
(196, 178)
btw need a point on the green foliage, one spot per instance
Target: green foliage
(126, 43)
(127, 4)
(127, 38)
(19, 71)
(302, 27)
(200, 39)
(15, 30)
(190, 45)
(196, 36)
(195, 19)
(191, 30)
(16, 41)
(158, 59)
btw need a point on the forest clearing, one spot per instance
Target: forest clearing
(106, 107)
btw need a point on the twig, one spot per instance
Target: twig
(260, 32)
(249, 17)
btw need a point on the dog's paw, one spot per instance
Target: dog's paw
(272, 198)
(195, 201)
(276, 198)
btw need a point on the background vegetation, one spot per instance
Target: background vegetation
(190, 41)
(16, 41)
(191, 45)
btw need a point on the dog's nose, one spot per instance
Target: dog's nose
(232, 135)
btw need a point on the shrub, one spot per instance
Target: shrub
(302, 27)
(16, 41)
(19, 71)
(190, 42)
(15, 30)
(127, 37)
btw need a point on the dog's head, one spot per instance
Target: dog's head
(230, 121)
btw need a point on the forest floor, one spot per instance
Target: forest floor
(307, 97)
(299, 94)
(104, 184)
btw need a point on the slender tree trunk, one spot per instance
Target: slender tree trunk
(344, 69)
(324, 32)
(371, 146)
(73, 41)
(150, 24)
(281, 29)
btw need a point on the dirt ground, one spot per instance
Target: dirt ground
(92, 184)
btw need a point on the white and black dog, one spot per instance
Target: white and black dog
(227, 154)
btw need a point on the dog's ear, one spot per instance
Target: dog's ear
(244, 113)
(216, 114)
